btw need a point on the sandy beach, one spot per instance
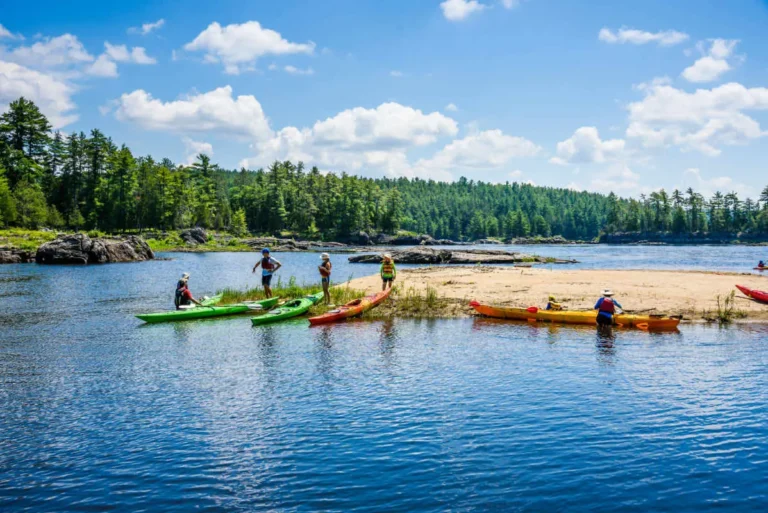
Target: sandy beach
(688, 293)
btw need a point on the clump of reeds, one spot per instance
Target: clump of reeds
(725, 311)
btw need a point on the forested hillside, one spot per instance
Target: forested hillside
(80, 181)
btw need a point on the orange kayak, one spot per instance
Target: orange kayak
(757, 295)
(643, 322)
(351, 309)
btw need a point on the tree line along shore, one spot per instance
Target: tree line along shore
(84, 182)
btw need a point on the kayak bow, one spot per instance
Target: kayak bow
(290, 309)
(757, 295)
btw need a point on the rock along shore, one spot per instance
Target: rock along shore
(426, 255)
(79, 248)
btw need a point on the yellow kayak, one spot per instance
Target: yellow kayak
(643, 322)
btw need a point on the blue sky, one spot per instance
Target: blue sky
(625, 96)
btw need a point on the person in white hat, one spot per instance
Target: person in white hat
(325, 276)
(606, 308)
(388, 271)
(183, 295)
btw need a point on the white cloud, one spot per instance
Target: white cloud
(510, 4)
(515, 174)
(714, 62)
(215, 111)
(585, 146)
(293, 70)
(238, 47)
(7, 34)
(120, 53)
(617, 179)
(708, 186)
(641, 37)
(56, 52)
(395, 73)
(701, 121)
(451, 107)
(52, 95)
(103, 67)
(194, 148)
(146, 28)
(457, 10)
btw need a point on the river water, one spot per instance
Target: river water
(100, 412)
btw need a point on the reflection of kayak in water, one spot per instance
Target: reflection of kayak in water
(533, 314)
(757, 295)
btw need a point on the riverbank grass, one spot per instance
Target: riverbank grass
(26, 240)
(216, 243)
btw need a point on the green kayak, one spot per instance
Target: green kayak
(208, 310)
(290, 309)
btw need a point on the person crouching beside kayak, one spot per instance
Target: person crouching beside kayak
(183, 294)
(269, 266)
(325, 276)
(606, 308)
(388, 271)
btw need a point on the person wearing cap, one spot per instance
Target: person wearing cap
(553, 304)
(269, 266)
(388, 271)
(183, 295)
(606, 308)
(325, 276)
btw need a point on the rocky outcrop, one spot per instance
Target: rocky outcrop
(15, 256)
(425, 255)
(194, 236)
(487, 241)
(557, 239)
(81, 249)
(289, 245)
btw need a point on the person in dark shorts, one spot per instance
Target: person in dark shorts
(606, 308)
(269, 266)
(325, 276)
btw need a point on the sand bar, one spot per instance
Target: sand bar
(690, 293)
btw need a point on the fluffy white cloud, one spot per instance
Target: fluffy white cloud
(701, 121)
(641, 37)
(103, 67)
(195, 148)
(708, 186)
(52, 95)
(215, 111)
(238, 47)
(7, 34)
(585, 146)
(146, 28)
(120, 53)
(485, 150)
(510, 4)
(619, 179)
(457, 10)
(56, 52)
(451, 107)
(293, 70)
(714, 62)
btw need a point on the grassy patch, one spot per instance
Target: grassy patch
(726, 310)
(216, 242)
(27, 240)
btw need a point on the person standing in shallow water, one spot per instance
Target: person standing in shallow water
(606, 308)
(325, 276)
(269, 266)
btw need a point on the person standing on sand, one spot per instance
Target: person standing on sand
(325, 276)
(606, 308)
(269, 266)
(388, 271)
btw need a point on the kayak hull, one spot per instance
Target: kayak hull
(351, 309)
(287, 311)
(645, 322)
(207, 311)
(757, 295)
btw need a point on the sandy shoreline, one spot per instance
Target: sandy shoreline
(688, 293)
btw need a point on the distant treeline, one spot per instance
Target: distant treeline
(81, 181)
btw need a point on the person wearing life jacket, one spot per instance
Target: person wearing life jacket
(761, 265)
(183, 296)
(388, 271)
(325, 276)
(606, 308)
(553, 304)
(269, 266)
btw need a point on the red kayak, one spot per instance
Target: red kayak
(351, 309)
(757, 295)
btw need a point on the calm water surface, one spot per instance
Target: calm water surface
(98, 412)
